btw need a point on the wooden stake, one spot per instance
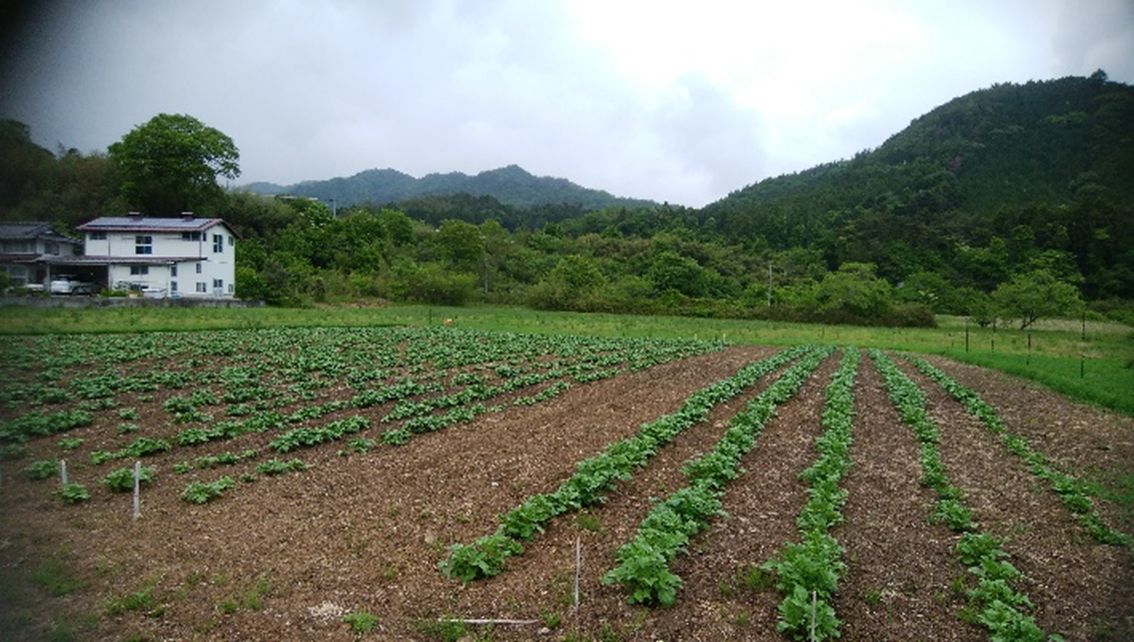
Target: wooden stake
(63, 470)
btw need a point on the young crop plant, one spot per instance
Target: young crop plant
(598, 474)
(42, 469)
(202, 492)
(274, 467)
(36, 424)
(73, 493)
(308, 437)
(1000, 608)
(807, 573)
(122, 480)
(643, 563)
(1072, 493)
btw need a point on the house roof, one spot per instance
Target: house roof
(123, 260)
(31, 230)
(150, 224)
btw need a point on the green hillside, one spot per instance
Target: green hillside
(1040, 173)
(511, 185)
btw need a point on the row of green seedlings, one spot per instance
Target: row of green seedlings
(808, 572)
(420, 418)
(418, 413)
(197, 492)
(994, 602)
(643, 563)
(187, 410)
(595, 476)
(122, 479)
(1072, 492)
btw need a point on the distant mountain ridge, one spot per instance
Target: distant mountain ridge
(511, 185)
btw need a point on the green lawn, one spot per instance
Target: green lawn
(1096, 369)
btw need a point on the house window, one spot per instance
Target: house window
(19, 274)
(143, 245)
(218, 243)
(198, 268)
(173, 270)
(202, 287)
(190, 236)
(50, 247)
(218, 284)
(231, 241)
(139, 270)
(231, 289)
(173, 286)
(98, 236)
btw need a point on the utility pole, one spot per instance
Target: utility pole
(769, 284)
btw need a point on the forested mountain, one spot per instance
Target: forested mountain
(511, 185)
(982, 186)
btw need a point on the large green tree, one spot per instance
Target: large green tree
(171, 164)
(1035, 295)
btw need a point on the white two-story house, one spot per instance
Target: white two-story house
(177, 257)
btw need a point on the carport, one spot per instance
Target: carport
(84, 268)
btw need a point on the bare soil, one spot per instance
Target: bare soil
(286, 558)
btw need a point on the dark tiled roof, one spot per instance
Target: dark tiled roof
(31, 230)
(149, 224)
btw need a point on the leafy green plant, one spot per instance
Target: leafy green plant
(360, 622)
(202, 492)
(73, 493)
(483, 558)
(70, 444)
(122, 480)
(42, 469)
(276, 467)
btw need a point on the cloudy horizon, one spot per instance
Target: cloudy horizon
(658, 100)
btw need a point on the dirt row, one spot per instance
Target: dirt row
(287, 558)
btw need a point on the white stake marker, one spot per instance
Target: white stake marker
(137, 483)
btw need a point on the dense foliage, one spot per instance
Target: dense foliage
(1011, 184)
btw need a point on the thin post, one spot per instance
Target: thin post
(63, 470)
(769, 284)
(814, 607)
(137, 485)
(578, 568)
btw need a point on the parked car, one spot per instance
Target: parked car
(68, 284)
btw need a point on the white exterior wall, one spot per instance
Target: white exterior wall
(210, 272)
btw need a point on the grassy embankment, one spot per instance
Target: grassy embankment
(1091, 364)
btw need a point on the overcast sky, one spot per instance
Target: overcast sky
(673, 101)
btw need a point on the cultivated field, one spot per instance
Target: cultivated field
(439, 483)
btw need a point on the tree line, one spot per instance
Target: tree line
(889, 237)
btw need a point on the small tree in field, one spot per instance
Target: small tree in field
(1035, 295)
